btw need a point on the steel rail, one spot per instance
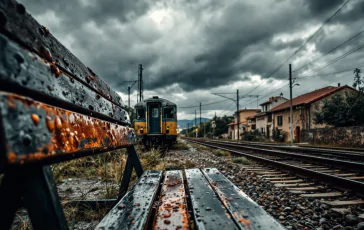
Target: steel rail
(338, 153)
(340, 182)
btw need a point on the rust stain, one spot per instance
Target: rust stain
(70, 132)
(12, 157)
(35, 119)
(172, 210)
(55, 70)
(247, 223)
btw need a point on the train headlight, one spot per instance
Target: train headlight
(141, 130)
(167, 129)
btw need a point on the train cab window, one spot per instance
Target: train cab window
(140, 113)
(155, 112)
(169, 113)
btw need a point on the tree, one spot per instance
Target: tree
(342, 111)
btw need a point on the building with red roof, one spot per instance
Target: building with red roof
(304, 108)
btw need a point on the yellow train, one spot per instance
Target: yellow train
(156, 122)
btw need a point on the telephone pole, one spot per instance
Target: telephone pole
(140, 82)
(290, 108)
(237, 105)
(188, 129)
(195, 124)
(200, 114)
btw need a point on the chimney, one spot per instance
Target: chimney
(338, 84)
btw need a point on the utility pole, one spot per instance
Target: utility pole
(290, 95)
(200, 114)
(237, 111)
(129, 88)
(188, 129)
(140, 82)
(237, 104)
(195, 124)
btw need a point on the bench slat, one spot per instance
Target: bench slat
(30, 76)
(208, 211)
(132, 211)
(247, 213)
(37, 132)
(26, 29)
(172, 209)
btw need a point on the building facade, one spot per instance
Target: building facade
(243, 123)
(304, 108)
(263, 119)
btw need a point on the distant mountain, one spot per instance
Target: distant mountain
(183, 123)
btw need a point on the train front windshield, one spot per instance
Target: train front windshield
(140, 113)
(170, 113)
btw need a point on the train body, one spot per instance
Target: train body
(156, 122)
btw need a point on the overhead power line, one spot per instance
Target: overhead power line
(348, 40)
(334, 60)
(313, 35)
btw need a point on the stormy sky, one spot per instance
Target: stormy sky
(192, 48)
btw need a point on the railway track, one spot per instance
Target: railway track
(337, 153)
(342, 174)
(300, 194)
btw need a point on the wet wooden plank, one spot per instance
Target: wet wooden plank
(323, 195)
(133, 210)
(207, 210)
(36, 132)
(32, 76)
(343, 203)
(247, 213)
(39, 39)
(172, 210)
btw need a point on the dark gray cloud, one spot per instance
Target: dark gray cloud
(203, 45)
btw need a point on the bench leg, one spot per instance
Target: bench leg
(38, 191)
(42, 201)
(10, 199)
(132, 161)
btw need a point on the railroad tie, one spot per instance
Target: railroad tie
(287, 181)
(323, 195)
(343, 203)
(293, 185)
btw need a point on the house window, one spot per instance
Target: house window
(279, 120)
(270, 118)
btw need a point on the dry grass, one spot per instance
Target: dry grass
(180, 146)
(199, 147)
(221, 153)
(242, 160)
(109, 167)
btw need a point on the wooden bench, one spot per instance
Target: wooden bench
(53, 109)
